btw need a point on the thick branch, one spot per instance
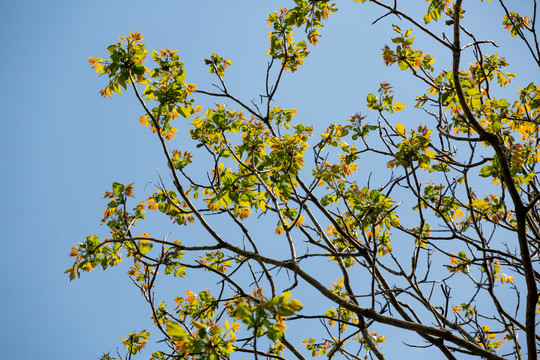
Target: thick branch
(520, 209)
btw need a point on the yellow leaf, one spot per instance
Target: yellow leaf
(400, 129)
(430, 154)
(143, 120)
(480, 204)
(458, 214)
(397, 106)
(380, 339)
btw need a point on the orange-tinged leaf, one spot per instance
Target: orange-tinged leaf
(129, 190)
(71, 272)
(143, 120)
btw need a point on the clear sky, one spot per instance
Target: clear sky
(62, 145)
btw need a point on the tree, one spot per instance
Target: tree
(482, 301)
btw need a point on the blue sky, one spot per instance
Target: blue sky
(62, 145)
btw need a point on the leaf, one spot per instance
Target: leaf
(430, 154)
(198, 325)
(295, 305)
(397, 106)
(118, 188)
(184, 112)
(175, 331)
(371, 98)
(486, 171)
(480, 204)
(71, 272)
(400, 129)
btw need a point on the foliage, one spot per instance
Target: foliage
(460, 203)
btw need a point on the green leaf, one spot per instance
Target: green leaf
(184, 111)
(175, 331)
(486, 171)
(118, 188)
(403, 65)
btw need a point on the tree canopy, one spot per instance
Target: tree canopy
(444, 252)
